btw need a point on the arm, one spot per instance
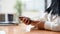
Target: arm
(27, 21)
(38, 24)
(51, 26)
(48, 25)
(45, 24)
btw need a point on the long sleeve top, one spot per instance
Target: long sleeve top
(52, 22)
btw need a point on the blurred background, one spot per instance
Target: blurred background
(10, 10)
(34, 8)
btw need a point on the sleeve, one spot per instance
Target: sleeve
(52, 26)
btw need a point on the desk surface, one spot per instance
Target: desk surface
(42, 32)
(20, 29)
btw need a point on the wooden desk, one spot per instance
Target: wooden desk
(13, 29)
(42, 32)
(19, 30)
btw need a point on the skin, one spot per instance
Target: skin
(37, 24)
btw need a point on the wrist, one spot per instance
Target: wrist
(41, 25)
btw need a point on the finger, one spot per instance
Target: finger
(21, 18)
(26, 21)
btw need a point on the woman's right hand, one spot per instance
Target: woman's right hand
(25, 20)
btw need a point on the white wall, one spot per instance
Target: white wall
(7, 6)
(34, 5)
(30, 5)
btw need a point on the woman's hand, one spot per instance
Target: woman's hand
(25, 20)
(37, 24)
